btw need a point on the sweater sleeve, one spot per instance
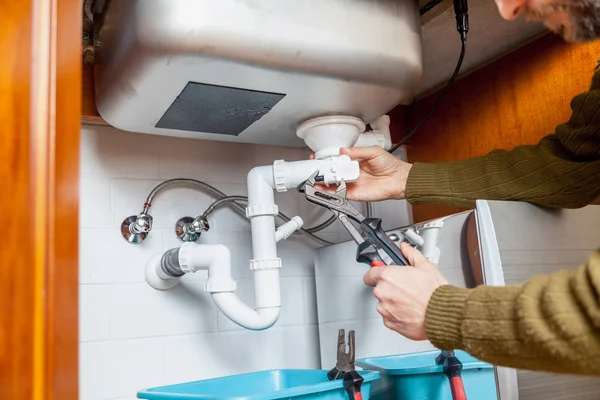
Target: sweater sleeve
(551, 323)
(562, 170)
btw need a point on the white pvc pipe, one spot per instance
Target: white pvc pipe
(264, 246)
(262, 211)
(333, 170)
(240, 313)
(430, 249)
(373, 139)
(214, 257)
(267, 288)
(217, 259)
(299, 171)
(267, 292)
(413, 237)
(380, 136)
(260, 185)
(287, 229)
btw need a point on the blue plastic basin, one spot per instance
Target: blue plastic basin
(263, 385)
(416, 376)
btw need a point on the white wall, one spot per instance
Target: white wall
(133, 336)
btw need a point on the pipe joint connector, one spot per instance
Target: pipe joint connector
(220, 285)
(185, 257)
(169, 264)
(279, 175)
(272, 263)
(193, 257)
(257, 210)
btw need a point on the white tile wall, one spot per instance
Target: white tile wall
(105, 257)
(207, 356)
(132, 336)
(310, 301)
(112, 369)
(137, 310)
(95, 208)
(94, 318)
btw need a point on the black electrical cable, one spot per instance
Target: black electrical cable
(462, 26)
(437, 103)
(427, 7)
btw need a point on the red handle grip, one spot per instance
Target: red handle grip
(458, 389)
(377, 263)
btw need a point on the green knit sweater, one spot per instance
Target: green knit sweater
(551, 323)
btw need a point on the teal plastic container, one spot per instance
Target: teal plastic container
(263, 385)
(416, 376)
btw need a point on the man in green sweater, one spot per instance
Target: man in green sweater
(551, 323)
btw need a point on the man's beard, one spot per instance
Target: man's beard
(584, 16)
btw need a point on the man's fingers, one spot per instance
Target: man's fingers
(372, 276)
(361, 153)
(330, 189)
(414, 256)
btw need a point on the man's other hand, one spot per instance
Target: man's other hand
(404, 292)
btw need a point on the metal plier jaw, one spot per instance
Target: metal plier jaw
(345, 360)
(335, 202)
(344, 367)
(370, 240)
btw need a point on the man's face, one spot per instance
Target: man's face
(574, 20)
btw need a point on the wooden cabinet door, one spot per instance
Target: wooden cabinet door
(40, 102)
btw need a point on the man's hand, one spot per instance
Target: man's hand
(382, 176)
(404, 292)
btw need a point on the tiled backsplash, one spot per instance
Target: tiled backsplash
(133, 336)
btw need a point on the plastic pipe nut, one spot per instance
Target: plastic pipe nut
(279, 175)
(272, 263)
(256, 210)
(214, 285)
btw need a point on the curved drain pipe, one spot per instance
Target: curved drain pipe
(163, 272)
(216, 258)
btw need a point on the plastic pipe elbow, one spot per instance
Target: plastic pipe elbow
(380, 136)
(217, 259)
(243, 315)
(374, 139)
(262, 176)
(258, 173)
